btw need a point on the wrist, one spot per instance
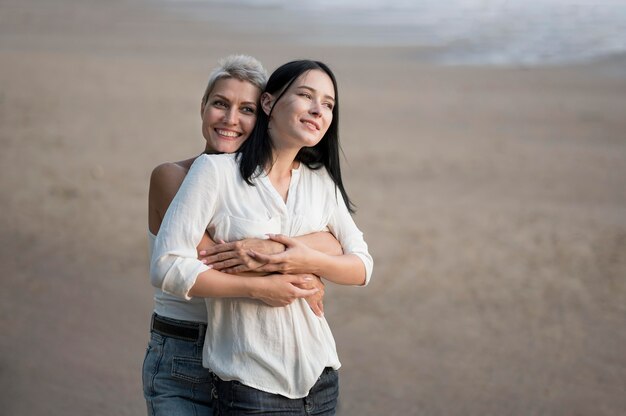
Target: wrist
(316, 262)
(254, 287)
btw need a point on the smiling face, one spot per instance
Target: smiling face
(229, 115)
(303, 114)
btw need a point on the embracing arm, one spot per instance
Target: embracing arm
(275, 290)
(352, 268)
(323, 242)
(234, 257)
(347, 269)
(175, 267)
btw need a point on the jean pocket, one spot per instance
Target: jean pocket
(190, 369)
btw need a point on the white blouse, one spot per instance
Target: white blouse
(175, 307)
(280, 350)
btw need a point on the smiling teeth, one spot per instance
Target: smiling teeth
(227, 133)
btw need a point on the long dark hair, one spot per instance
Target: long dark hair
(257, 150)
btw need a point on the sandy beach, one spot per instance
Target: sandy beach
(493, 201)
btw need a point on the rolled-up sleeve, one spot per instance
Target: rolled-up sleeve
(349, 236)
(174, 266)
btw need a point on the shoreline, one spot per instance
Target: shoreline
(501, 41)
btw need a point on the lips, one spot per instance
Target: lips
(228, 133)
(311, 123)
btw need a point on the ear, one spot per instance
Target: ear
(267, 102)
(202, 105)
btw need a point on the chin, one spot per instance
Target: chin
(312, 142)
(227, 147)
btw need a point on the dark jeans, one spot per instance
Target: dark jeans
(235, 399)
(174, 381)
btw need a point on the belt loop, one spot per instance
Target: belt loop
(201, 333)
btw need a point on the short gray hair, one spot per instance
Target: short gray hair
(241, 67)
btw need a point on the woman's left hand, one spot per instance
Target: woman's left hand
(234, 257)
(297, 257)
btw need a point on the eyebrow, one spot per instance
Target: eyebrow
(223, 97)
(314, 90)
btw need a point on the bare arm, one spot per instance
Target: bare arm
(275, 290)
(237, 254)
(323, 242)
(353, 268)
(234, 257)
(347, 269)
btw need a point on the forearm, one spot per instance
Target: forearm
(324, 242)
(347, 269)
(276, 290)
(215, 284)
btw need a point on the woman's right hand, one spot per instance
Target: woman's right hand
(315, 301)
(283, 289)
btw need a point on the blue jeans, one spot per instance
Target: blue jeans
(174, 381)
(235, 399)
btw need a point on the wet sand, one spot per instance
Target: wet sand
(493, 200)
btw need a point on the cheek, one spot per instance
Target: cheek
(210, 117)
(248, 123)
(328, 119)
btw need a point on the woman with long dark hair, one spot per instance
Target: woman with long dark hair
(284, 181)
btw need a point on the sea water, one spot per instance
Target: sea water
(466, 32)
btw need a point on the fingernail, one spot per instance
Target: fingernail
(210, 266)
(308, 278)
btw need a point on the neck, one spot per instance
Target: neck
(283, 161)
(279, 172)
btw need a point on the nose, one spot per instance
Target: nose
(230, 116)
(316, 109)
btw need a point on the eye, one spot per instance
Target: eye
(248, 110)
(329, 105)
(305, 95)
(220, 104)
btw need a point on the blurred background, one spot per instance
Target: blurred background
(485, 148)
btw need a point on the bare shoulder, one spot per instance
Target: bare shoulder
(165, 181)
(169, 175)
(172, 169)
(166, 173)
